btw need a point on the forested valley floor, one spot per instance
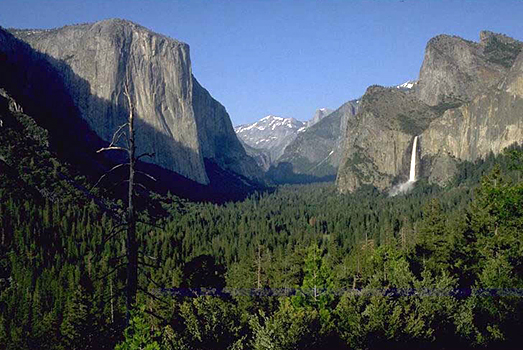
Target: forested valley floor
(297, 267)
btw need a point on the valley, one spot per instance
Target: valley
(394, 220)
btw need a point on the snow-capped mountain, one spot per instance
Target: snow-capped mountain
(271, 134)
(408, 85)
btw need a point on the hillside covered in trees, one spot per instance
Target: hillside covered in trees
(291, 267)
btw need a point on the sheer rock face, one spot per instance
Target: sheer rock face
(470, 104)
(178, 120)
(491, 122)
(319, 115)
(218, 139)
(317, 151)
(379, 138)
(513, 84)
(457, 69)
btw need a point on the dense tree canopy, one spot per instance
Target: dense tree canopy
(294, 267)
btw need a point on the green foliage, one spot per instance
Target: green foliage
(428, 269)
(138, 336)
(449, 103)
(289, 328)
(317, 286)
(210, 323)
(75, 324)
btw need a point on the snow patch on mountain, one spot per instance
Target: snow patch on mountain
(408, 85)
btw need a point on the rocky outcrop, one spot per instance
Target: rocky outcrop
(317, 150)
(178, 120)
(457, 69)
(491, 122)
(379, 138)
(217, 137)
(319, 115)
(260, 156)
(470, 104)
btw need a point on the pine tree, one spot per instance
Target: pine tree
(75, 329)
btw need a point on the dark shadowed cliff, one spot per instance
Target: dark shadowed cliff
(178, 120)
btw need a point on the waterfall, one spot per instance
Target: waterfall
(409, 184)
(412, 176)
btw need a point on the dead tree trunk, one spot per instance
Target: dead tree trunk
(130, 220)
(130, 217)
(132, 247)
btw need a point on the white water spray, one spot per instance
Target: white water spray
(412, 177)
(407, 186)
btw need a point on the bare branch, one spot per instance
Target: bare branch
(142, 186)
(135, 183)
(110, 273)
(146, 155)
(141, 262)
(112, 260)
(112, 148)
(149, 278)
(113, 142)
(105, 240)
(153, 296)
(149, 224)
(117, 227)
(155, 315)
(147, 256)
(145, 174)
(107, 173)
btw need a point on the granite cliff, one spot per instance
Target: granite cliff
(490, 122)
(379, 138)
(316, 152)
(457, 69)
(467, 103)
(178, 120)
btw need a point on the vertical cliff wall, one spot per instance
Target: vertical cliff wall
(379, 138)
(178, 120)
(490, 122)
(317, 151)
(468, 103)
(457, 69)
(218, 140)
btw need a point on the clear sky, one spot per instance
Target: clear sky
(288, 58)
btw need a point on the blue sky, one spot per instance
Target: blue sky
(289, 57)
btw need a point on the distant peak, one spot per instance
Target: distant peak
(407, 85)
(272, 117)
(324, 110)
